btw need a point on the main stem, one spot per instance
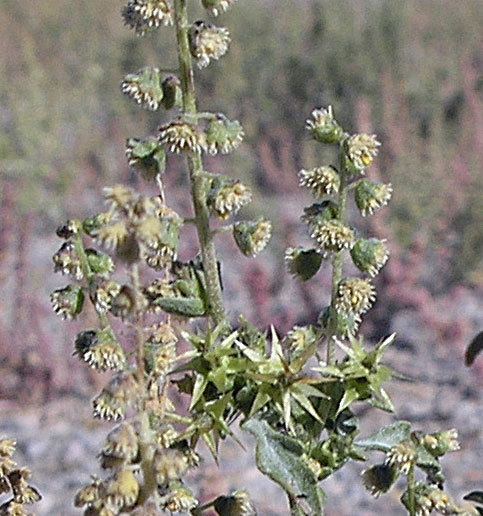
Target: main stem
(338, 259)
(411, 494)
(195, 166)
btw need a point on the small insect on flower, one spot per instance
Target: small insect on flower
(360, 151)
(180, 136)
(355, 295)
(371, 195)
(323, 127)
(321, 181)
(144, 87)
(208, 42)
(333, 236)
(216, 7)
(143, 15)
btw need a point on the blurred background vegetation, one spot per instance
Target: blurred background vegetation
(409, 70)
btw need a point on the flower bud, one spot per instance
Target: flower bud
(303, 263)
(333, 235)
(237, 504)
(371, 195)
(440, 443)
(172, 95)
(370, 255)
(100, 263)
(223, 135)
(208, 42)
(144, 15)
(100, 350)
(322, 181)
(68, 302)
(359, 152)
(146, 157)
(323, 127)
(179, 136)
(144, 87)
(252, 237)
(216, 7)
(319, 213)
(227, 196)
(355, 295)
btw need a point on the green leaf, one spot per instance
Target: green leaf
(279, 457)
(350, 395)
(304, 402)
(387, 437)
(185, 307)
(474, 349)
(261, 399)
(199, 388)
(474, 496)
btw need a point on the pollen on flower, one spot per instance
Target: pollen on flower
(227, 199)
(333, 235)
(360, 151)
(321, 180)
(402, 457)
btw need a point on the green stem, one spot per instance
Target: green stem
(195, 166)
(338, 259)
(411, 479)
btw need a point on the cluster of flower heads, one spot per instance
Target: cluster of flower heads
(405, 456)
(332, 187)
(14, 481)
(122, 454)
(144, 15)
(218, 135)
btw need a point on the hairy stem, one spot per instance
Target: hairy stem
(195, 166)
(338, 259)
(411, 494)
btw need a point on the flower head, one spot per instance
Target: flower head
(121, 443)
(100, 350)
(122, 489)
(143, 15)
(237, 504)
(323, 127)
(169, 464)
(379, 479)
(318, 213)
(67, 262)
(178, 499)
(345, 323)
(303, 263)
(69, 229)
(223, 135)
(371, 195)
(252, 236)
(227, 197)
(440, 443)
(104, 294)
(112, 402)
(360, 151)
(146, 156)
(402, 456)
(355, 295)
(68, 302)
(333, 235)
(216, 7)
(208, 42)
(179, 136)
(144, 87)
(321, 180)
(370, 255)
